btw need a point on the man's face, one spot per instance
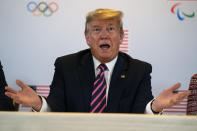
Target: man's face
(104, 38)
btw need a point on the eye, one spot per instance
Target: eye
(111, 29)
(96, 29)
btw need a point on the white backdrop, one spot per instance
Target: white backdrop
(30, 44)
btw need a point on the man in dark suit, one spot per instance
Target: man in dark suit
(100, 79)
(5, 102)
(129, 93)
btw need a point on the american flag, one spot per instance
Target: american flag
(124, 46)
(43, 90)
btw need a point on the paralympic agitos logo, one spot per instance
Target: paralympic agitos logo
(42, 8)
(181, 15)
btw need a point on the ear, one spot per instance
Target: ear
(87, 39)
(121, 37)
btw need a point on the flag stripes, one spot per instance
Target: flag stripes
(43, 90)
(124, 46)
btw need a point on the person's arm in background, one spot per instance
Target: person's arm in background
(6, 103)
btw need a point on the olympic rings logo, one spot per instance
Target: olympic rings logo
(42, 8)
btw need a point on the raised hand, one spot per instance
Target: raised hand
(168, 98)
(27, 96)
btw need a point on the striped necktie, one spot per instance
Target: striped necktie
(98, 100)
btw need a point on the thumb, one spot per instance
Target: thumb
(175, 86)
(21, 84)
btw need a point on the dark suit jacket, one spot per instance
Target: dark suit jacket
(74, 76)
(5, 102)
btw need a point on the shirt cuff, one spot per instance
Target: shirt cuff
(148, 108)
(45, 107)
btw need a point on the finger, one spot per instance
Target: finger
(11, 95)
(8, 89)
(15, 102)
(189, 92)
(175, 86)
(182, 95)
(186, 93)
(21, 84)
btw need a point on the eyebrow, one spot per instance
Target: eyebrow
(111, 24)
(100, 26)
(95, 26)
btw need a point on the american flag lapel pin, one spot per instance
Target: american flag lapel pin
(122, 76)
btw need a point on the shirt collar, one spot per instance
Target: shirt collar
(110, 65)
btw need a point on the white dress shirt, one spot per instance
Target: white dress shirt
(108, 73)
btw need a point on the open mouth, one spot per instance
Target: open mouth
(105, 46)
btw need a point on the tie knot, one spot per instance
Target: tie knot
(103, 67)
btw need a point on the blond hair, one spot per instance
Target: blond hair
(105, 14)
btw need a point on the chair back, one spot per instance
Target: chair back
(192, 98)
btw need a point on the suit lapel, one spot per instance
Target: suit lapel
(116, 85)
(86, 80)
